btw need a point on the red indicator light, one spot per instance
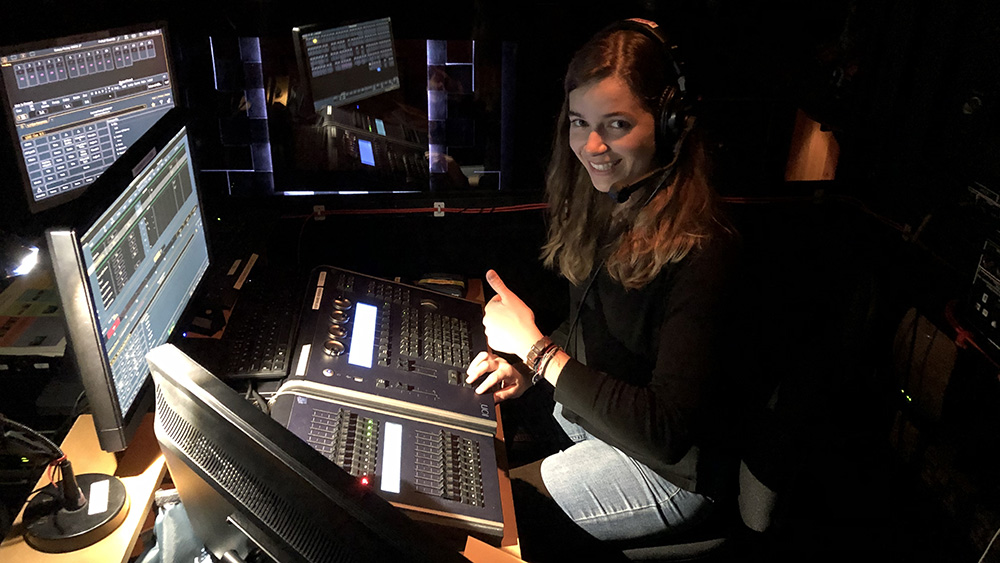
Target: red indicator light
(364, 480)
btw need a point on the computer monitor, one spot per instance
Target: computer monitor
(247, 482)
(126, 270)
(74, 104)
(342, 64)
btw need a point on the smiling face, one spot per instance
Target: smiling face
(611, 132)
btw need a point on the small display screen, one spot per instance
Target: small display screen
(392, 457)
(367, 154)
(362, 336)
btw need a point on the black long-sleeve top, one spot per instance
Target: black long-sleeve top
(653, 384)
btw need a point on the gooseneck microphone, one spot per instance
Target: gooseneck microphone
(62, 517)
(621, 191)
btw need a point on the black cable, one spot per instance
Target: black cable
(667, 174)
(58, 453)
(570, 347)
(256, 399)
(74, 412)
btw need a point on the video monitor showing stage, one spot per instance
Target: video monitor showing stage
(75, 104)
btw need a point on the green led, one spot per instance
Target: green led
(25, 460)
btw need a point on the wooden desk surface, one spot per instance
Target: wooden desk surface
(509, 544)
(141, 469)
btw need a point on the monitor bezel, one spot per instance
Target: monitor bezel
(37, 207)
(86, 344)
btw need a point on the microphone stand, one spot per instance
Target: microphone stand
(61, 517)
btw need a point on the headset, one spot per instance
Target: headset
(674, 105)
(672, 113)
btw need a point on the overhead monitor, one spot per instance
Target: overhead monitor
(249, 485)
(74, 104)
(126, 270)
(342, 64)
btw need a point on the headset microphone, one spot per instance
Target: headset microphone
(620, 192)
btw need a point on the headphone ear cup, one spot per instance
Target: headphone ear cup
(673, 102)
(671, 120)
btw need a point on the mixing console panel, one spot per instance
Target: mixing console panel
(388, 345)
(378, 386)
(434, 472)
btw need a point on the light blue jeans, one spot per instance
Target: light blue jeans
(612, 496)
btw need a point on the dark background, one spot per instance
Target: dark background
(909, 89)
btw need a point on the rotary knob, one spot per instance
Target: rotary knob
(339, 317)
(333, 348)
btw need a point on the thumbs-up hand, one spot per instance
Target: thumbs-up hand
(510, 324)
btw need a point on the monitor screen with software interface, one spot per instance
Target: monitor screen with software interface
(125, 275)
(75, 104)
(347, 63)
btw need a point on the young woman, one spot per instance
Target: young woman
(636, 374)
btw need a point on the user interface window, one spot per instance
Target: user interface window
(76, 107)
(144, 256)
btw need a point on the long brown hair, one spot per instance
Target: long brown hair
(639, 238)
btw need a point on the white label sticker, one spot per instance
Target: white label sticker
(300, 369)
(97, 500)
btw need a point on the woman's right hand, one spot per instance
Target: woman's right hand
(510, 382)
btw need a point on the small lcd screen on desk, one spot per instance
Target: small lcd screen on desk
(362, 336)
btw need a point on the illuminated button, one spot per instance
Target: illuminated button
(338, 317)
(328, 372)
(333, 348)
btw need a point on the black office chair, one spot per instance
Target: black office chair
(811, 329)
(739, 531)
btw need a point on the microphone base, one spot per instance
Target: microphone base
(53, 529)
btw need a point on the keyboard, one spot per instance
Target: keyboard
(258, 336)
(247, 327)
